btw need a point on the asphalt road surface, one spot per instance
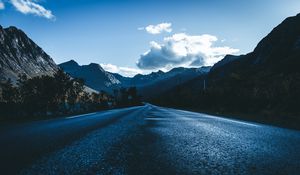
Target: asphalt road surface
(148, 140)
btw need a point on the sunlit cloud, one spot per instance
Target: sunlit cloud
(157, 29)
(31, 7)
(183, 50)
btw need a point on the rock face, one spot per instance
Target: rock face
(20, 55)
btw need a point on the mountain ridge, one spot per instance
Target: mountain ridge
(109, 81)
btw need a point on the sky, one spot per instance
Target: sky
(139, 36)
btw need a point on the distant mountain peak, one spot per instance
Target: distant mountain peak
(178, 69)
(96, 67)
(71, 63)
(93, 74)
(159, 72)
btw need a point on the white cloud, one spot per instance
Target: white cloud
(2, 6)
(125, 71)
(31, 7)
(183, 50)
(157, 29)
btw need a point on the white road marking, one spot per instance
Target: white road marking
(80, 115)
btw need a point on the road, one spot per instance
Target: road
(148, 140)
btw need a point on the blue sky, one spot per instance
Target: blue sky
(117, 33)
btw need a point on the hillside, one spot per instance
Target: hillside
(263, 85)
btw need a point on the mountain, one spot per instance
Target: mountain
(277, 52)
(264, 83)
(227, 59)
(162, 82)
(20, 55)
(93, 74)
(181, 73)
(148, 85)
(143, 80)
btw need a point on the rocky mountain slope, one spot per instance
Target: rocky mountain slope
(20, 55)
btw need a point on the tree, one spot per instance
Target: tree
(132, 95)
(63, 84)
(96, 98)
(9, 93)
(76, 87)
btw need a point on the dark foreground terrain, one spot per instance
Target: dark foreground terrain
(148, 140)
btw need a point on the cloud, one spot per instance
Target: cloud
(31, 7)
(2, 6)
(141, 28)
(125, 71)
(157, 29)
(183, 50)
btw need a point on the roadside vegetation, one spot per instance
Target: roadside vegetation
(266, 98)
(57, 95)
